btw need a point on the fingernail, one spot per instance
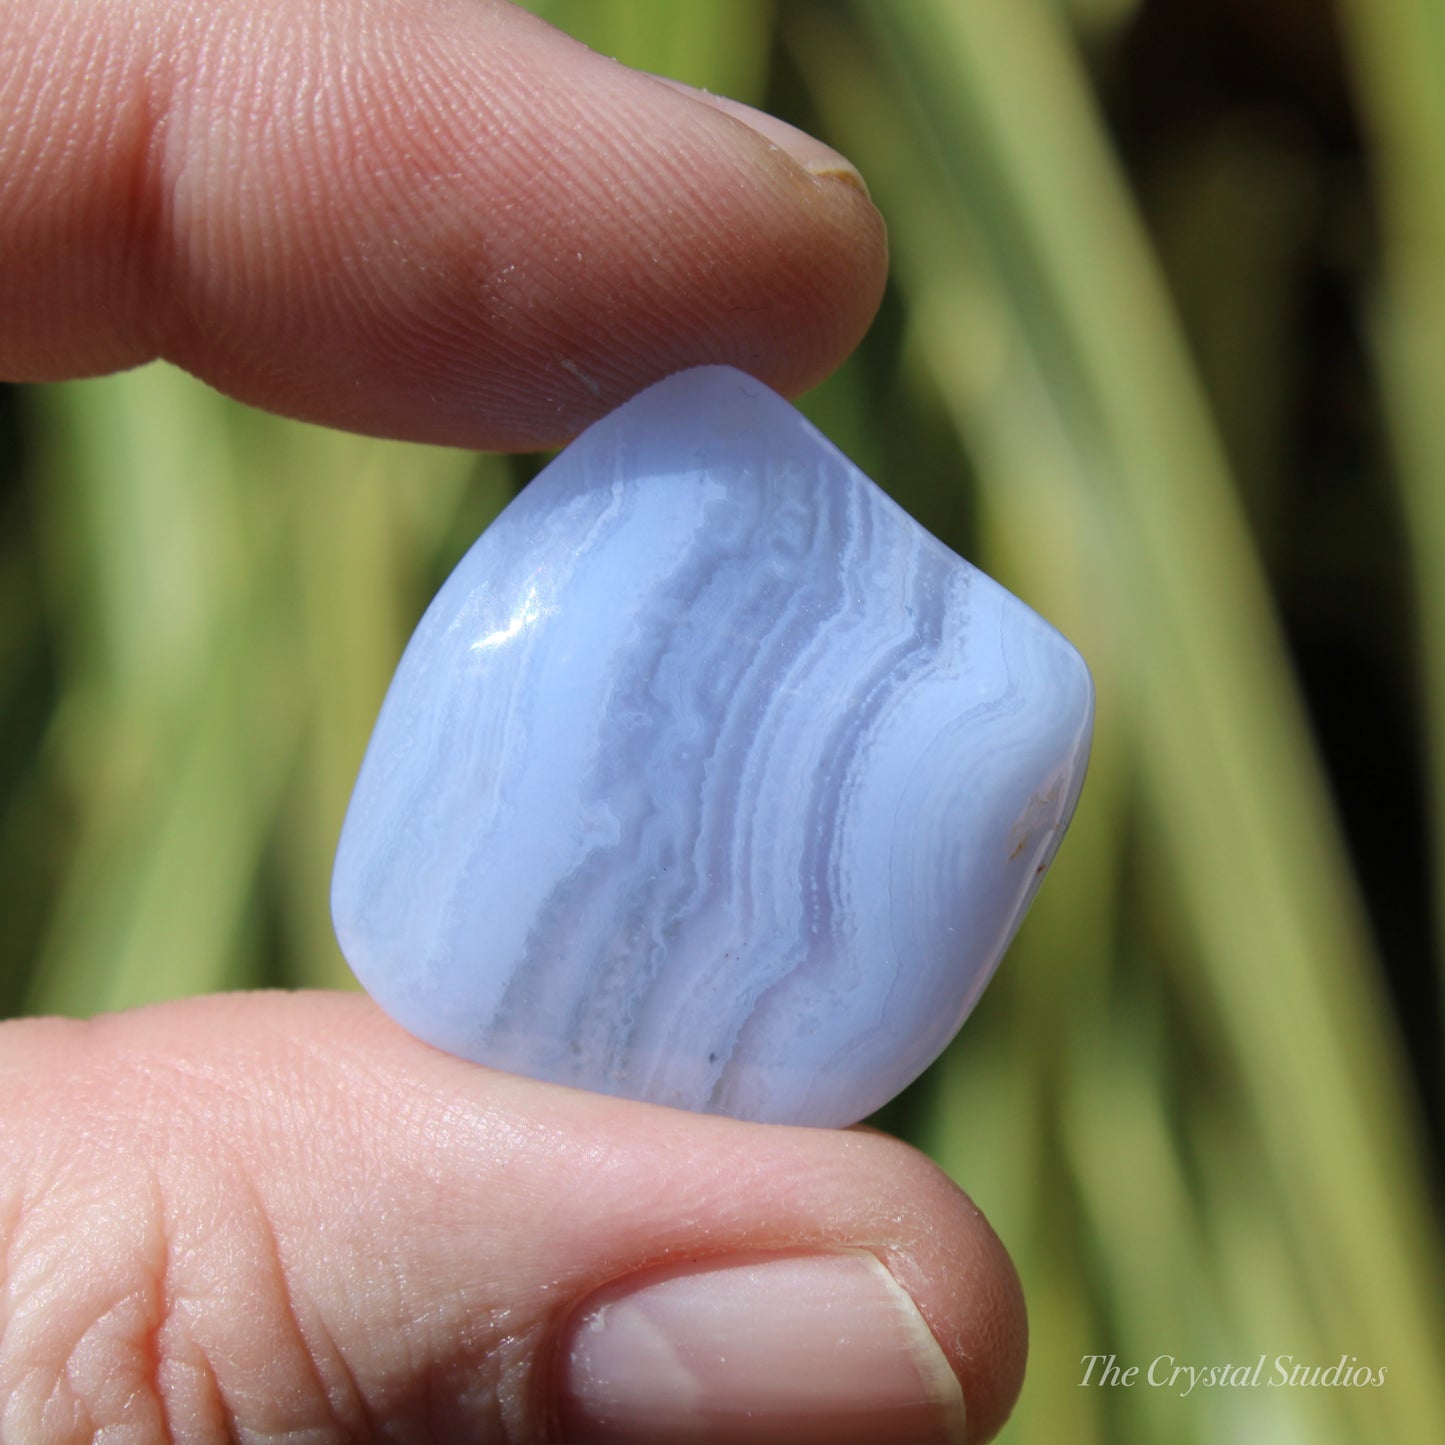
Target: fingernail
(808, 151)
(765, 1348)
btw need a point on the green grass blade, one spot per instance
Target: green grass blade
(167, 739)
(718, 45)
(1399, 52)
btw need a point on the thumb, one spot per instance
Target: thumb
(264, 1216)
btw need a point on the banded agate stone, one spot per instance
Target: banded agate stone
(709, 777)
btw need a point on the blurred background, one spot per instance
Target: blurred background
(1165, 352)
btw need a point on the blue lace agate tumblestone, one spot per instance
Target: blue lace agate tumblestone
(709, 777)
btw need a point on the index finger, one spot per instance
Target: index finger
(417, 218)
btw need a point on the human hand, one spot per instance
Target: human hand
(253, 1215)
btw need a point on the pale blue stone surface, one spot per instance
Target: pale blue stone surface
(709, 777)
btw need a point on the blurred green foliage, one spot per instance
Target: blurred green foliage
(1120, 231)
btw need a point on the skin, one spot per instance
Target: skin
(277, 1215)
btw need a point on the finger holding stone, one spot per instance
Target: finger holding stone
(280, 1213)
(417, 218)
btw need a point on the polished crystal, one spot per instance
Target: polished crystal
(710, 777)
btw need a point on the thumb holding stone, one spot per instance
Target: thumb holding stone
(268, 1214)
